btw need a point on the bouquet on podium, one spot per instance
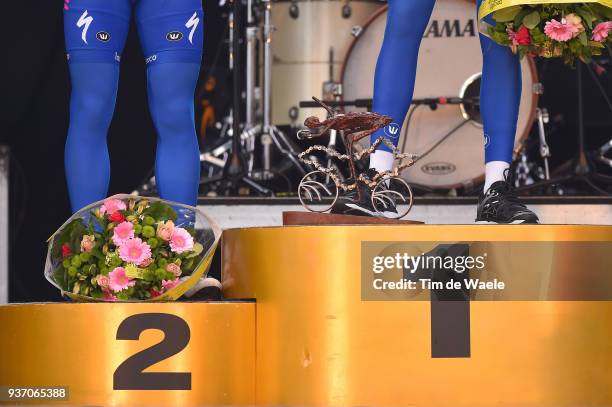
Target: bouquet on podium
(130, 248)
(551, 29)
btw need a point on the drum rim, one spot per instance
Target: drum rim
(535, 98)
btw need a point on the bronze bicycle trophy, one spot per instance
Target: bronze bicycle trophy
(386, 188)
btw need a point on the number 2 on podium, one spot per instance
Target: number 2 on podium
(130, 376)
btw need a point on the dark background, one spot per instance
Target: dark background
(35, 88)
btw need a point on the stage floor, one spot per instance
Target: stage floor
(232, 213)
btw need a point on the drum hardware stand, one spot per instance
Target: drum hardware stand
(522, 171)
(252, 91)
(347, 10)
(582, 168)
(294, 10)
(332, 90)
(600, 154)
(603, 150)
(522, 167)
(270, 133)
(225, 127)
(217, 156)
(357, 30)
(235, 170)
(543, 117)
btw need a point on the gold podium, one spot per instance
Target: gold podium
(206, 348)
(311, 339)
(319, 344)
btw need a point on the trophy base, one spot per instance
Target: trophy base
(296, 218)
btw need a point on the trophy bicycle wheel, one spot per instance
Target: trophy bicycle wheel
(318, 192)
(392, 192)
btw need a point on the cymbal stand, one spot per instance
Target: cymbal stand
(235, 172)
(582, 171)
(525, 171)
(270, 134)
(543, 118)
(332, 90)
(251, 129)
(601, 154)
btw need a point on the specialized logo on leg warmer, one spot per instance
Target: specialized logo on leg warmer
(84, 21)
(487, 141)
(393, 130)
(193, 24)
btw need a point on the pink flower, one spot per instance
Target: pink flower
(561, 31)
(181, 241)
(88, 243)
(601, 31)
(111, 206)
(521, 37)
(174, 269)
(103, 281)
(118, 280)
(170, 284)
(135, 251)
(108, 296)
(165, 230)
(123, 232)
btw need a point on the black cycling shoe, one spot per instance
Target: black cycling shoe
(501, 205)
(350, 204)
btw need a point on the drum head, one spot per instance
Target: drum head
(309, 43)
(450, 63)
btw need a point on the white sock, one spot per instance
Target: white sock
(382, 160)
(494, 171)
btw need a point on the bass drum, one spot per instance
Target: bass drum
(450, 64)
(309, 42)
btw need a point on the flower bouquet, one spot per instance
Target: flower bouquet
(131, 249)
(562, 29)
